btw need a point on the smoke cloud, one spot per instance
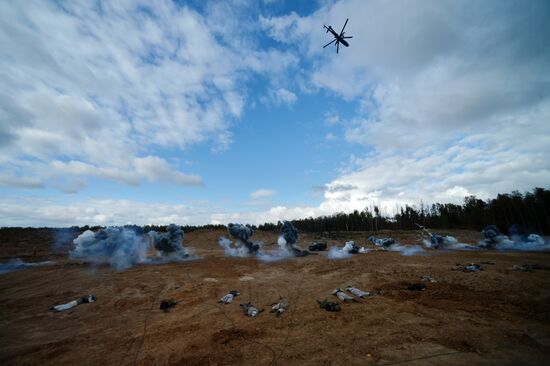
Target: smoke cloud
(245, 247)
(289, 233)
(119, 247)
(243, 233)
(123, 248)
(169, 244)
(494, 239)
(288, 239)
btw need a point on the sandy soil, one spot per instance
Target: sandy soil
(497, 316)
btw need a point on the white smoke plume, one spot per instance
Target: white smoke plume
(531, 243)
(391, 245)
(336, 252)
(406, 250)
(346, 251)
(284, 251)
(233, 251)
(16, 264)
(446, 242)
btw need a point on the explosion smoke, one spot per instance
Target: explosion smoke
(169, 243)
(493, 237)
(288, 238)
(233, 251)
(243, 233)
(119, 247)
(289, 233)
(122, 247)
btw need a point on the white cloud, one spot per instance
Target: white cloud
(285, 96)
(279, 97)
(261, 197)
(102, 85)
(50, 212)
(262, 193)
(453, 101)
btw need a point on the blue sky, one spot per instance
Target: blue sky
(200, 112)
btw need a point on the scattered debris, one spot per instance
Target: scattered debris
(329, 306)
(391, 245)
(346, 251)
(279, 307)
(416, 287)
(381, 242)
(351, 248)
(318, 247)
(359, 293)
(427, 278)
(472, 267)
(342, 295)
(71, 304)
(166, 305)
(436, 241)
(228, 298)
(250, 310)
(530, 267)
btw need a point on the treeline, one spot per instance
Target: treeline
(512, 213)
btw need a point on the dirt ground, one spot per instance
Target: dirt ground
(497, 316)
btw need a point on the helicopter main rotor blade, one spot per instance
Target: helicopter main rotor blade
(329, 42)
(342, 31)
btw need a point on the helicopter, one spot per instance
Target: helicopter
(339, 38)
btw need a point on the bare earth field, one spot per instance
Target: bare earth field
(497, 316)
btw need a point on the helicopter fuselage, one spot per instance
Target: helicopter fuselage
(337, 36)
